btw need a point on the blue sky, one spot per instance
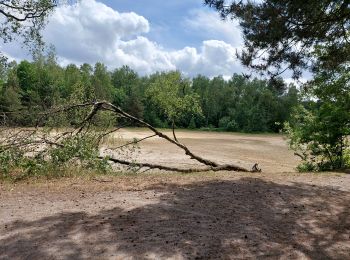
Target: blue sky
(147, 35)
(166, 18)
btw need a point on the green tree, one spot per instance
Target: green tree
(134, 105)
(86, 81)
(72, 76)
(101, 82)
(201, 86)
(27, 82)
(125, 78)
(127, 91)
(281, 35)
(10, 98)
(173, 96)
(40, 81)
(25, 19)
(319, 135)
(50, 79)
(296, 36)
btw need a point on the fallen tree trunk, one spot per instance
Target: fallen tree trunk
(224, 167)
(83, 128)
(213, 166)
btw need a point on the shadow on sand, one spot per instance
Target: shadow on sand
(217, 219)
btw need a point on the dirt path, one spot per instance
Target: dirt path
(276, 215)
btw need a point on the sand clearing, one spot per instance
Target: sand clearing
(277, 214)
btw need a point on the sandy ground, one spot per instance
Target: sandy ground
(270, 151)
(277, 214)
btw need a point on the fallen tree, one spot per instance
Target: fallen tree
(84, 141)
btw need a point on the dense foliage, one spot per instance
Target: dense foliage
(24, 20)
(319, 132)
(75, 153)
(237, 104)
(296, 36)
(281, 35)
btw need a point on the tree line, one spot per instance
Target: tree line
(161, 99)
(279, 36)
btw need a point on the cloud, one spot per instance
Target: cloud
(215, 58)
(90, 31)
(209, 24)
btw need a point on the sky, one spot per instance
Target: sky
(147, 35)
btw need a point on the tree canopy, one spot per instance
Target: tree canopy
(282, 35)
(161, 99)
(24, 20)
(319, 130)
(300, 35)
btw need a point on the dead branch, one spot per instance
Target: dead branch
(213, 165)
(96, 107)
(111, 131)
(302, 156)
(57, 140)
(160, 134)
(135, 141)
(256, 168)
(225, 167)
(104, 105)
(102, 180)
(174, 135)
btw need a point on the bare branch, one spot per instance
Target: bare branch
(92, 113)
(35, 137)
(173, 126)
(134, 142)
(225, 167)
(160, 134)
(111, 132)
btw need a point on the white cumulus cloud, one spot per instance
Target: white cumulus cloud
(209, 24)
(90, 31)
(214, 58)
